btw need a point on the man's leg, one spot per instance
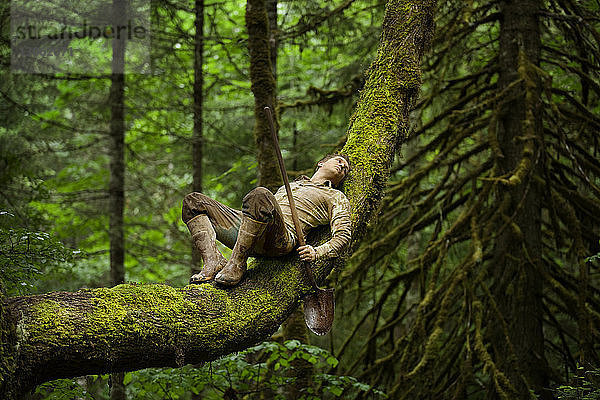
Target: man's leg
(207, 220)
(262, 232)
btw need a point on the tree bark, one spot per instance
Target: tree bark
(137, 326)
(116, 189)
(518, 251)
(197, 135)
(264, 89)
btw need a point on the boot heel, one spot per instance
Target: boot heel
(235, 268)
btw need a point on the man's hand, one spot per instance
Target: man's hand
(307, 253)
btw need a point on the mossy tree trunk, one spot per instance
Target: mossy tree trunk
(518, 252)
(271, 7)
(131, 326)
(8, 341)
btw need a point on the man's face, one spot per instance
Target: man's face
(334, 169)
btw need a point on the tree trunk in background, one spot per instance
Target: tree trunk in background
(264, 89)
(117, 169)
(117, 157)
(295, 148)
(517, 284)
(294, 328)
(197, 135)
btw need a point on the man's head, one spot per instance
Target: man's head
(333, 167)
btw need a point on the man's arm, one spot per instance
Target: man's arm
(340, 229)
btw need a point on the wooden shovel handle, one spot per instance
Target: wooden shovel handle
(286, 182)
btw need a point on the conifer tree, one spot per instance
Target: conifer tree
(502, 191)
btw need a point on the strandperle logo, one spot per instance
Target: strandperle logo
(86, 30)
(65, 37)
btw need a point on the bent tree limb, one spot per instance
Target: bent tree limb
(130, 326)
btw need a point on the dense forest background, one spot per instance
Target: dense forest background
(478, 278)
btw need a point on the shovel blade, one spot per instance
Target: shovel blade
(319, 311)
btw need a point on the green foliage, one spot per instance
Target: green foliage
(64, 389)
(267, 367)
(593, 258)
(25, 254)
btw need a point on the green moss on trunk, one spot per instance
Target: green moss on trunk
(136, 326)
(381, 120)
(7, 354)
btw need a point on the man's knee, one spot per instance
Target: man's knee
(259, 204)
(258, 193)
(194, 204)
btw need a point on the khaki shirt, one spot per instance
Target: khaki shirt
(318, 204)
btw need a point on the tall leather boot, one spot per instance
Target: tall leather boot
(204, 240)
(235, 268)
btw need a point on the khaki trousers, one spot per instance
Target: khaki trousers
(260, 205)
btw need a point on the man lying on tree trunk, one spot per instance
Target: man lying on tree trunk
(265, 226)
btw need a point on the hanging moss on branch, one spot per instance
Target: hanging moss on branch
(503, 194)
